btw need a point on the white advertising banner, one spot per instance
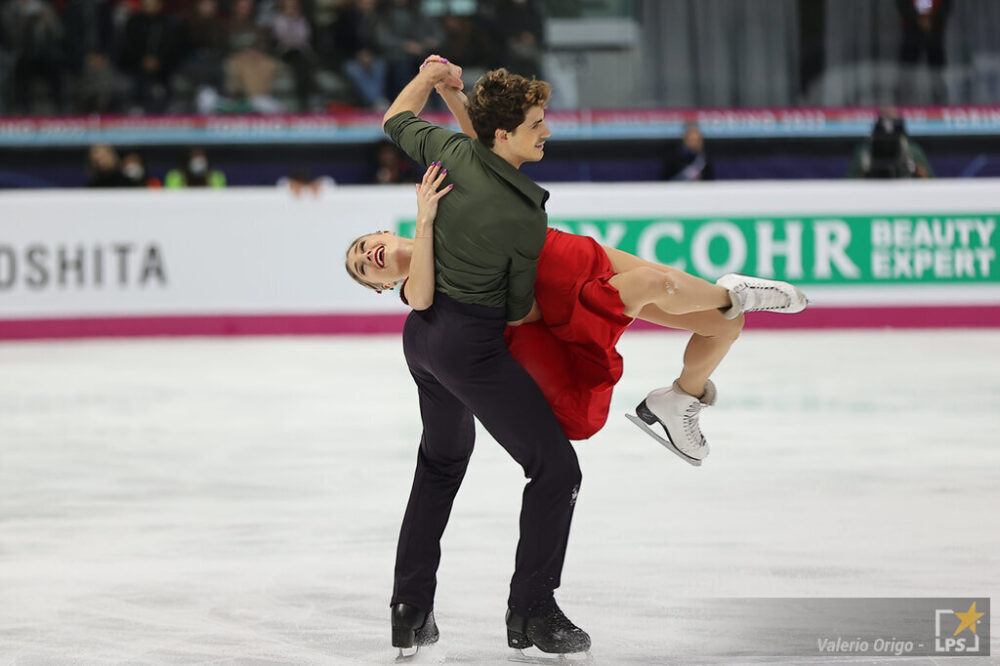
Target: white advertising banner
(101, 253)
(114, 253)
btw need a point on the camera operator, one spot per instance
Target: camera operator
(889, 152)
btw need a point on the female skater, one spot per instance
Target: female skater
(587, 294)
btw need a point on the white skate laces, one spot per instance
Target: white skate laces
(692, 431)
(751, 294)
(677, 413)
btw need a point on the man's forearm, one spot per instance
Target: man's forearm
(533, 315)
(411, 98)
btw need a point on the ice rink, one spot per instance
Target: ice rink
(237, 501)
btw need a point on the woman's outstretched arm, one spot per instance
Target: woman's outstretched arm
(458, 104)
(418, 289)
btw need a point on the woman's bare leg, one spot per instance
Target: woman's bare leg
(712, 334)
(671, 290)
(642, 283)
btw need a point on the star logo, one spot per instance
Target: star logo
(948, 638)
(968, 619)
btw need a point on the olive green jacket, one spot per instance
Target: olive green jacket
(489, 229)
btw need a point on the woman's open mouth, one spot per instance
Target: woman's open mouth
(380, 256)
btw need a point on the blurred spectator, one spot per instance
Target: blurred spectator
(473, 41)
(690, 161)
(151, 48)
(522, 28)
(392, 166)
(104, 168)
(90, 36)
(134, 170)
(889, 152)
(196, 172)
(355, 38)
(405, 37)
(352, 29)
(206, 45)
(250, 70)
(33, 33)
(923, 30)
(292, 34)
(302, 182)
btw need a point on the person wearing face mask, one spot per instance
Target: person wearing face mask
(134, 171)
(104, 167)
(196, 172)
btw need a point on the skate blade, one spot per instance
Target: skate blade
(407, 656)
(664, 441)
(520, 657)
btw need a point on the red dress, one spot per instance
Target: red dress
(571, 353)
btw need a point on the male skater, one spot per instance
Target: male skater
(487, 237)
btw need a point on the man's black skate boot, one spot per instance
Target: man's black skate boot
(412, 627)
(548, 629)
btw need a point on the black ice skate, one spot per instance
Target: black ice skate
(550, 631)
(412, 628)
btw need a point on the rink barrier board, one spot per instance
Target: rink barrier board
(259, 261)
(368, 324)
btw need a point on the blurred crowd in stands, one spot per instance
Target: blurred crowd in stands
(71, 57)
(105, 168)
(263, 56)
(887, 153)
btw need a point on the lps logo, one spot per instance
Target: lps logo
(948, 640)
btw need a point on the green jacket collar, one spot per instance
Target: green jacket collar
(527, 187)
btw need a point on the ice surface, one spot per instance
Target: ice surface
(236, 501)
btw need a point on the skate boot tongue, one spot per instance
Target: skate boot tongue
(766, 298)
(692, 431)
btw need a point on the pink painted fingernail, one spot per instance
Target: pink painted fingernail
(451, 186)
(444, 172)
(444, 60)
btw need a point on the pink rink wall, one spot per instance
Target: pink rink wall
(392, 324)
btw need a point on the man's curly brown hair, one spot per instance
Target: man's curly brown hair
(500, 99)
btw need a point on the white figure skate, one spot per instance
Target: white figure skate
(751, 294)
(677, 413)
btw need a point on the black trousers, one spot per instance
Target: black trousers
(916, 41)
(457, 356)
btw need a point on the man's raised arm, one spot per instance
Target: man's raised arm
(414, 96)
